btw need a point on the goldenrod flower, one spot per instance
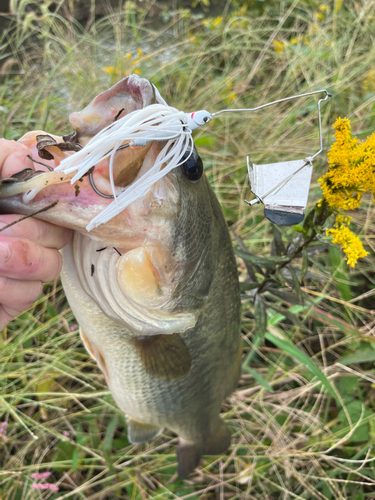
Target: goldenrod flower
(351, 173)
(217, 21)
(350, 243)
(278, 45)
(112, 71)
(351, 165)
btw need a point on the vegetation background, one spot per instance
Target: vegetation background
(303, 416)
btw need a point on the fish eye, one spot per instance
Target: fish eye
(192, 167)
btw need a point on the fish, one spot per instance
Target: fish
(155, 289)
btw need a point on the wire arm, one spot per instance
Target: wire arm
(274, 102)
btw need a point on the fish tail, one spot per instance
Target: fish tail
(219, 440)
(189, 454)
(188, 457)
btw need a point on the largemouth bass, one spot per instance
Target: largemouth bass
(155, 289)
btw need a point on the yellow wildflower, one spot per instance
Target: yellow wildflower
(351, 173)
(217, 21)
(112, 71)
(278, 45)
(139, 52)
(351, 165)
(350, 243)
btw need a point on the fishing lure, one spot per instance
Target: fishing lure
(157, 122)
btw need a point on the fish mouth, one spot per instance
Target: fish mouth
(88, 196)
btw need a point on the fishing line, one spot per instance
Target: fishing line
(157, 122)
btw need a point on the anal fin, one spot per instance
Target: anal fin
(138, 432)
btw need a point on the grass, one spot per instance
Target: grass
(303, 415)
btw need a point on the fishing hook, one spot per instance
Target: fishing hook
(108, 196)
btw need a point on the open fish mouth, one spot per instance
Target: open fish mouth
(94, 190)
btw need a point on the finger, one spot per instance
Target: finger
(13, 158)
(40, 232)
(23, 259)
(17, 296)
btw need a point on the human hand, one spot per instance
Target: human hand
(28, 250)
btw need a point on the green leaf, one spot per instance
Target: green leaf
(107, 443)
(340, 273)
(258, 377)
(261, 261)
(248, 286)
(205, 141)
(249, 267)
(299, 229)
(296, 285)
(295, 352)
(355, 409)
(291, 317)
(260, 315)
(288, 297)
(278, 246)
(362, 356)
(305, 264)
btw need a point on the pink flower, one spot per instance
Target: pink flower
(45, 486)
(72, 328)
(66, 433)
(3, 427)
(40, 475)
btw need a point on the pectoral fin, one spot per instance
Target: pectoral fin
(164, 356)
(138, 432)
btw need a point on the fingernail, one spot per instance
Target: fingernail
(4, 252)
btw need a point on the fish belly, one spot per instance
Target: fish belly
(186, 400)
